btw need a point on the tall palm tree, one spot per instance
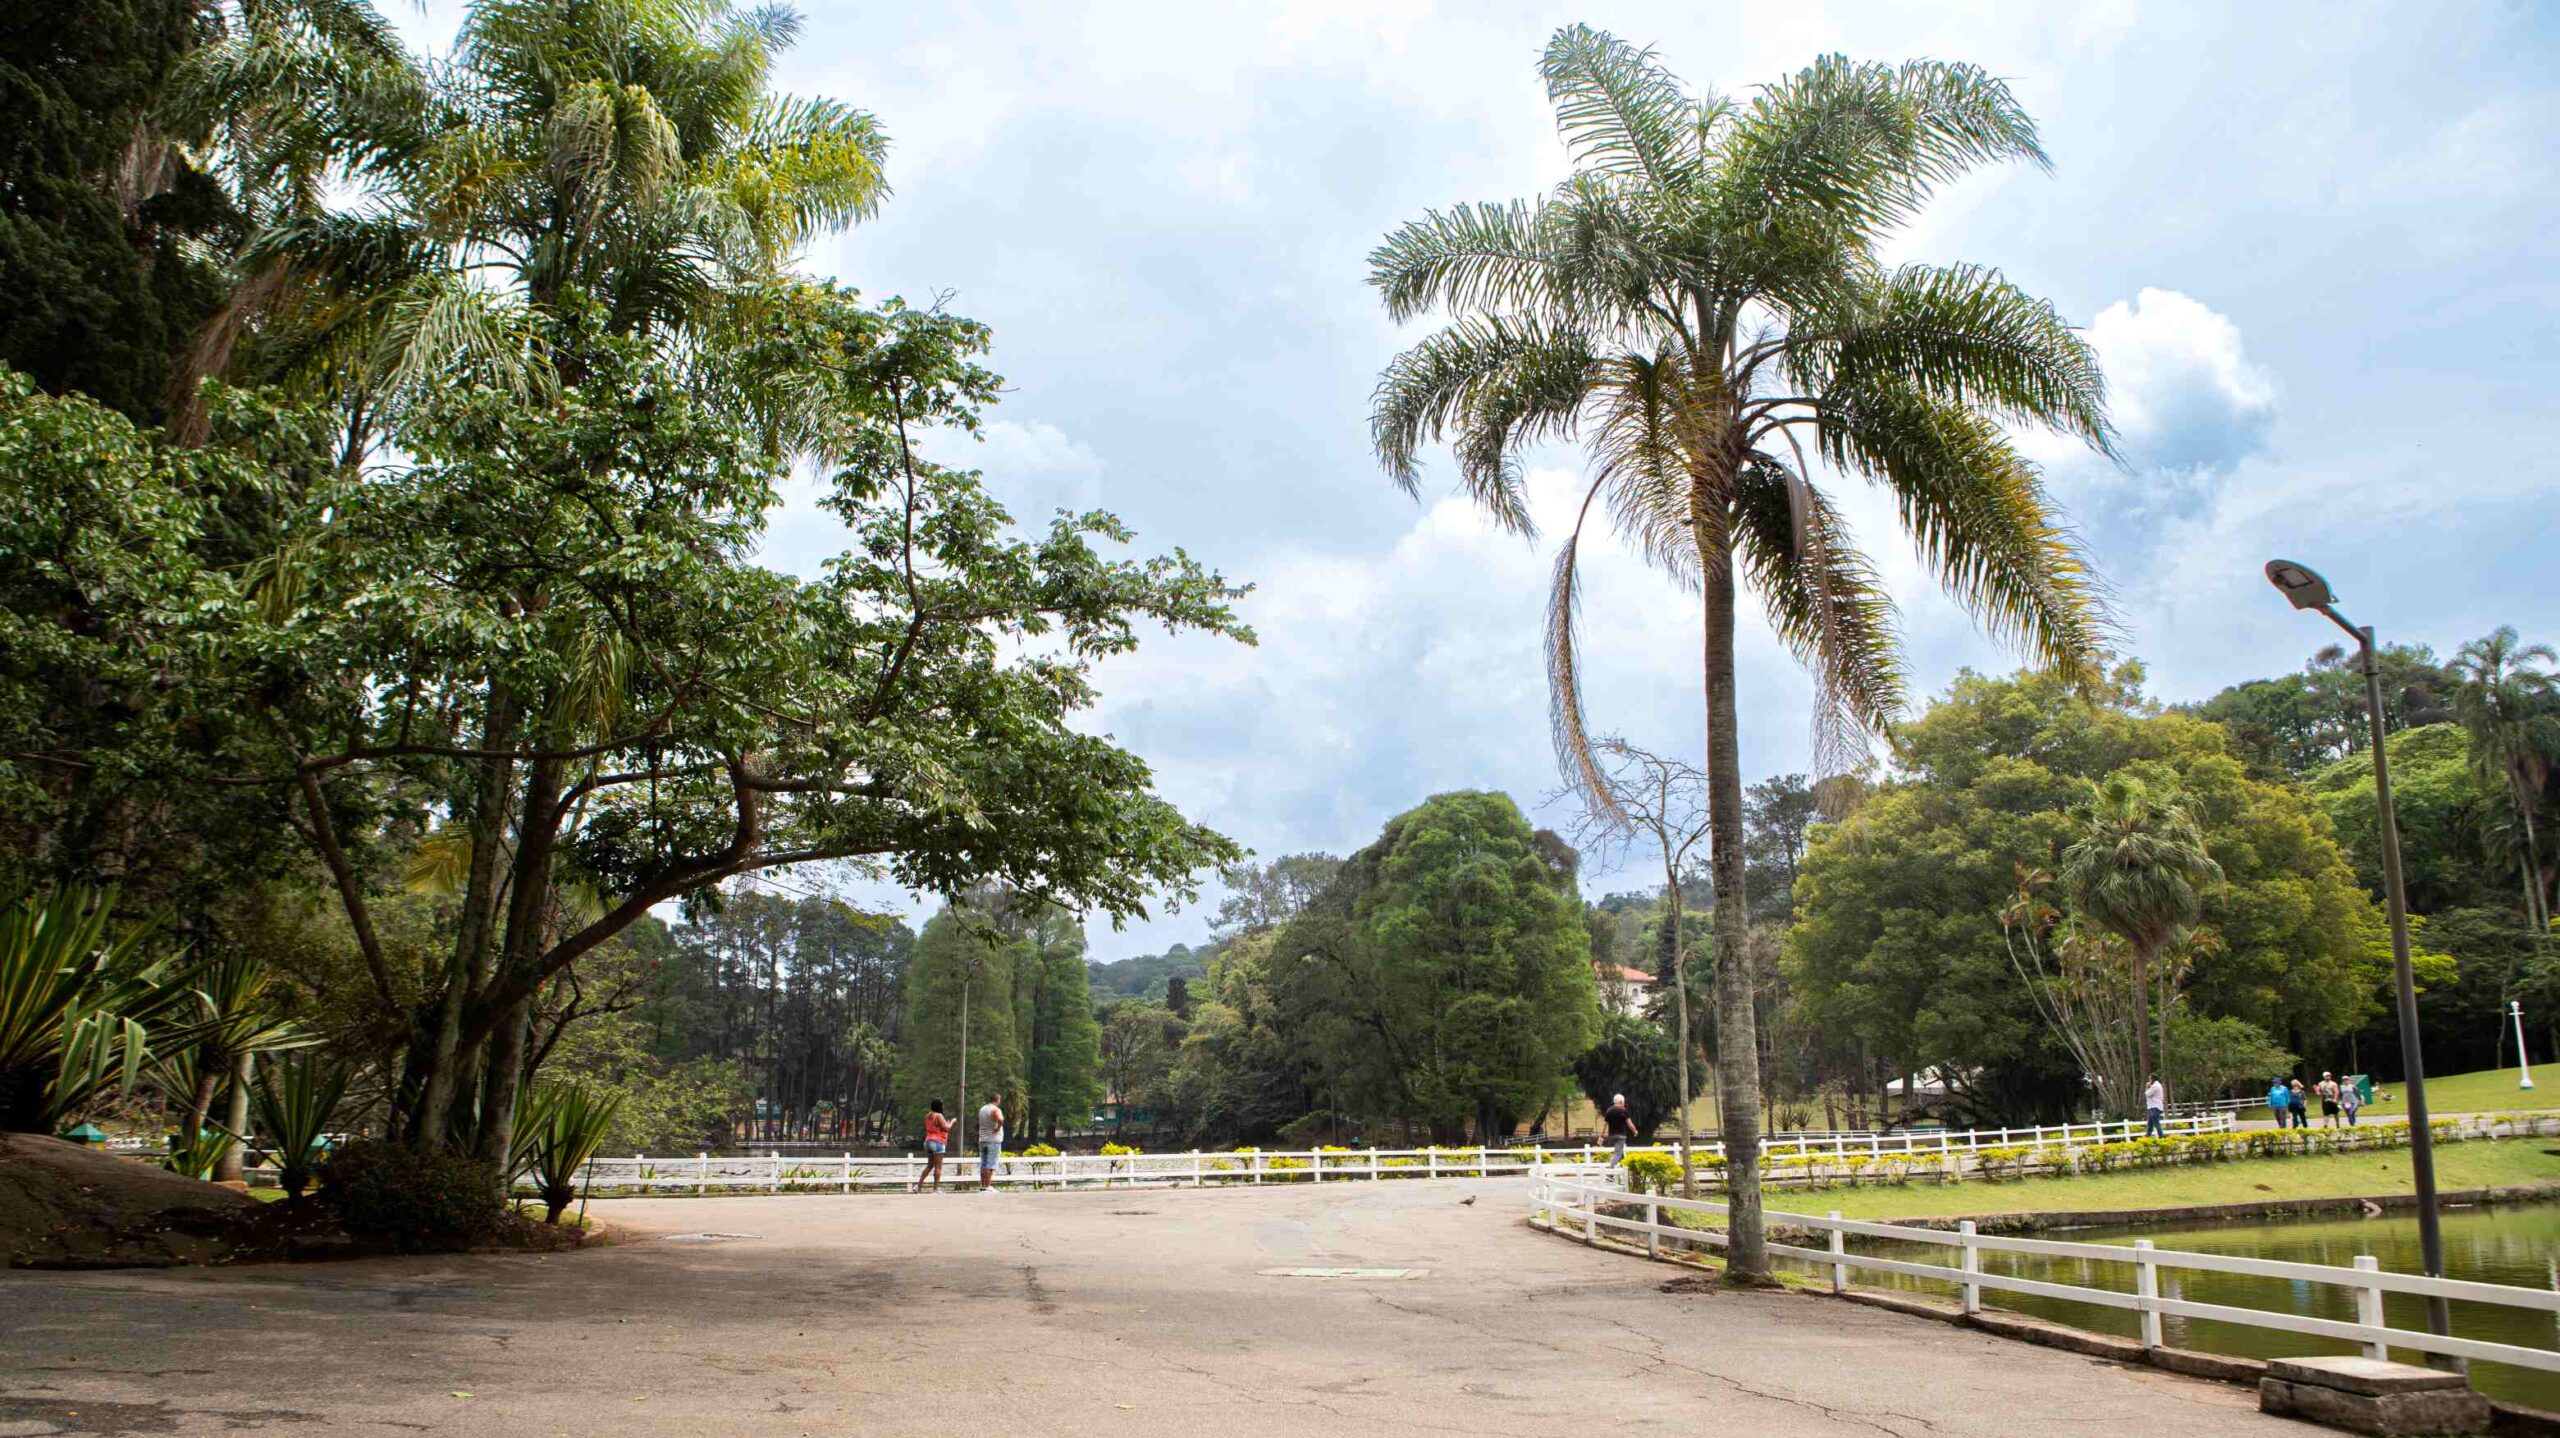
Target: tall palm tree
(1702, 304)
(2509, 703)
(2134, 871)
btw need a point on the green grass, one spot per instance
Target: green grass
(2487, 1091)
(2482, 1163)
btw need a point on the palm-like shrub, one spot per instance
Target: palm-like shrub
(198, 1154)
(295, 1098)
(78, 997)
(571, 1125)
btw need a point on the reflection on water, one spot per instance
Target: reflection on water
(2516, 1244)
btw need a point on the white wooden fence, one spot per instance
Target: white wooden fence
(846, 1173)
(1562, 1203)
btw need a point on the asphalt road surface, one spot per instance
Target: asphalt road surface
(1125, 1312)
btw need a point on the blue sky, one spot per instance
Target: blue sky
(2313, 244)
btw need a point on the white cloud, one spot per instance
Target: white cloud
(2183, 390)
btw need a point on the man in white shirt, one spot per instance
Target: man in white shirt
(2155, 1106)
(990, 1139)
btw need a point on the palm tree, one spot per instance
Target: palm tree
(2134, 871)
(628, 156)
(2510, 706)
(1703, 305)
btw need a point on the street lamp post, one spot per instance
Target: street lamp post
(2307, 590)
(2524, 1066)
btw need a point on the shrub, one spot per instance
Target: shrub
(1116, 1150)
(417, 1198)
(1652, 1172)
(1042, 1150)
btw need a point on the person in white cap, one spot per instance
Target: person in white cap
(1621, 1128)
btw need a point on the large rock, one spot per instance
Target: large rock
(65, 1206)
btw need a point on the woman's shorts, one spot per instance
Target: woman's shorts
(933, 1146)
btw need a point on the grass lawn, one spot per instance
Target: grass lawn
(2488, 1091)
(2483, 1163)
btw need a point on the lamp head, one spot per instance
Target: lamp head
(2305, 589)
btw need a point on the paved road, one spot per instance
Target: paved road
(1133, 1313)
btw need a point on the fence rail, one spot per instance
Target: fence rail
(1561, 1202)
(846, 1173)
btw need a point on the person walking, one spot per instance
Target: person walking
(1621, 1128)
(2155, 1109)
(2350, 1098)
(2328, 1099)
(990, 1140)
(2301, 1106)
(937, 1139)
(2280, 1103)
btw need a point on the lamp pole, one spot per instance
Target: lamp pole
(2524, 1066)
(2307, 590)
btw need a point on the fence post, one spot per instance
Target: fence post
(1433, 1160)
(848, 1173)
(1196, 1179)
(1590, 1216)
(1484, 1160)
(1315, 1165)
(1839, 1250)
(1653, 1220)
(775, 1186)
(1257, 1165)
(1373, 1163)
(2146, 1289)
(2369, 1306)
(702, 1172)
(1971, 1264)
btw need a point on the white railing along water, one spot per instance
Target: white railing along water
(1561, 1203)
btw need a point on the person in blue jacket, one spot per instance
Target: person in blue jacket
(2280, 1103)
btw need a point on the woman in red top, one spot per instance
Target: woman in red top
(937, 1137)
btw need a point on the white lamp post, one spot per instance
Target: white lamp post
(2515, 1010)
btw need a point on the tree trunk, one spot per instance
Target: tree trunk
(235, 1118)
(1737, 1043)
(1679, 977)
(469, 964)
(2141, 1031)
(529, 909)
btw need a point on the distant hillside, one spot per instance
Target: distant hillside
(1144, 977)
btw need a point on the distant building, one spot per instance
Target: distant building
(1623, 990)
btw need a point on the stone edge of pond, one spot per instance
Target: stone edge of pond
(2032, 1222)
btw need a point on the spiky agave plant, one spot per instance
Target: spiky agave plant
(79, 995)
(574, 1123)
(295, 1098)
(1704, 304)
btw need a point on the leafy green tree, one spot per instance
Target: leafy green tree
(1704, 303)
(1636, 1058)
(1897, 946)
(959, 998)
(1136, 1047)
(2296, 724)
(1444, 977)
(1062, 1080)
(2135, 868)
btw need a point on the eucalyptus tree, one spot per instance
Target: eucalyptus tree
(2508, 700)
(1702, 303)
(2134, 870)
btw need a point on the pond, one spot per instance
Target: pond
(2516, 1244)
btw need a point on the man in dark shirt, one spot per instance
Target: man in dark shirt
(1621, 1128)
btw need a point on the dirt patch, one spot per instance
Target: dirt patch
(65, 1206)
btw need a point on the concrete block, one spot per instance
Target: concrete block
(2421, 1413)
(2368, 1376)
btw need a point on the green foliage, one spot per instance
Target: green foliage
(416, 1198)
(197, 1155)
(572, 1121)
(1652, 1172)
(80, 998)
(1897, 940)
(2216, 1056)
(1062, 1080)
(1637, 1058)
(2297, 725)
(1444, 976)
(295, 1098)
(959, 959)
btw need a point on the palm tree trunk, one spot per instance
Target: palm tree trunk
(1680, 1005)
(1737, 1042)
(235, 1118)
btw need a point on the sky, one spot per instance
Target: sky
(2313, 245)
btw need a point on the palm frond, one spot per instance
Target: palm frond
(1583, 772)
(1620, 112)
(1979, 515)
(1826, 603)
(1489, 381)
(1473, 259)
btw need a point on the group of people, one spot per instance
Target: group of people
(2290, 1102)
(937, 1141)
